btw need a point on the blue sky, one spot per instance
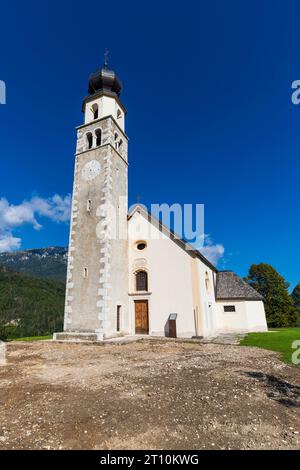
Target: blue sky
(210, 119)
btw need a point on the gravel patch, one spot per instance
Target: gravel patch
(147, 395)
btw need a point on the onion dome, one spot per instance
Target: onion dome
(105, 80)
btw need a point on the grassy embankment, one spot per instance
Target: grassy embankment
(280, 340)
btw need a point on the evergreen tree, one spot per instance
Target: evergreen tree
(296, 296)
(29, 306)
(274, 289)
(296, 301)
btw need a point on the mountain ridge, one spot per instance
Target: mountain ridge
(45, 263)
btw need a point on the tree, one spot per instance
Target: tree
(296, 301)
(29, 306)
(296, 296)
(274, 289)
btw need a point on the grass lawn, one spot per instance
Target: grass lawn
(31, 338)
(280, 339)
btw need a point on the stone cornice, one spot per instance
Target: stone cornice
(110, 116)
(101, 146)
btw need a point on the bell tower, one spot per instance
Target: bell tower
(97, 278)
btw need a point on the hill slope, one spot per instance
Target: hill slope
(48, 262)
(29, 306)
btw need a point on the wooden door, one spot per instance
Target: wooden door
(141, 317)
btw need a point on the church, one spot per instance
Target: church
(128, 273)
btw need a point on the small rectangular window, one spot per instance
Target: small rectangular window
(85, 272)
(229, 308)
(118, 317)
(89, 205)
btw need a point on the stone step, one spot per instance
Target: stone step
(76, 337)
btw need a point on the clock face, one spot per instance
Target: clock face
(90, 170)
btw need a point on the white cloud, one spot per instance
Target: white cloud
(55, 208)
(14, 216)
(213, 252)
(9, 243)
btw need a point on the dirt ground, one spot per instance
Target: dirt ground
(147, 395)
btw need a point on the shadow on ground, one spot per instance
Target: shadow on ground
(279, 390)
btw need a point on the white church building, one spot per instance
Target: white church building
(128, 274)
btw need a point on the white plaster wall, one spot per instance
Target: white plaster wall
(256, 317)
(227, 322)
(107, 106)
(169, 278)
(207, 297)
(249, 316)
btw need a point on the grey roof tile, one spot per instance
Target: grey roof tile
(232, 287)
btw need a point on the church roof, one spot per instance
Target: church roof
(232, 287)
(105, 80)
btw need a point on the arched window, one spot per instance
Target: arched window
(95, 111)
(120, 144)
(98, 137)
(89, 140)
(141, 281)
(119, 114)
(85, 272)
